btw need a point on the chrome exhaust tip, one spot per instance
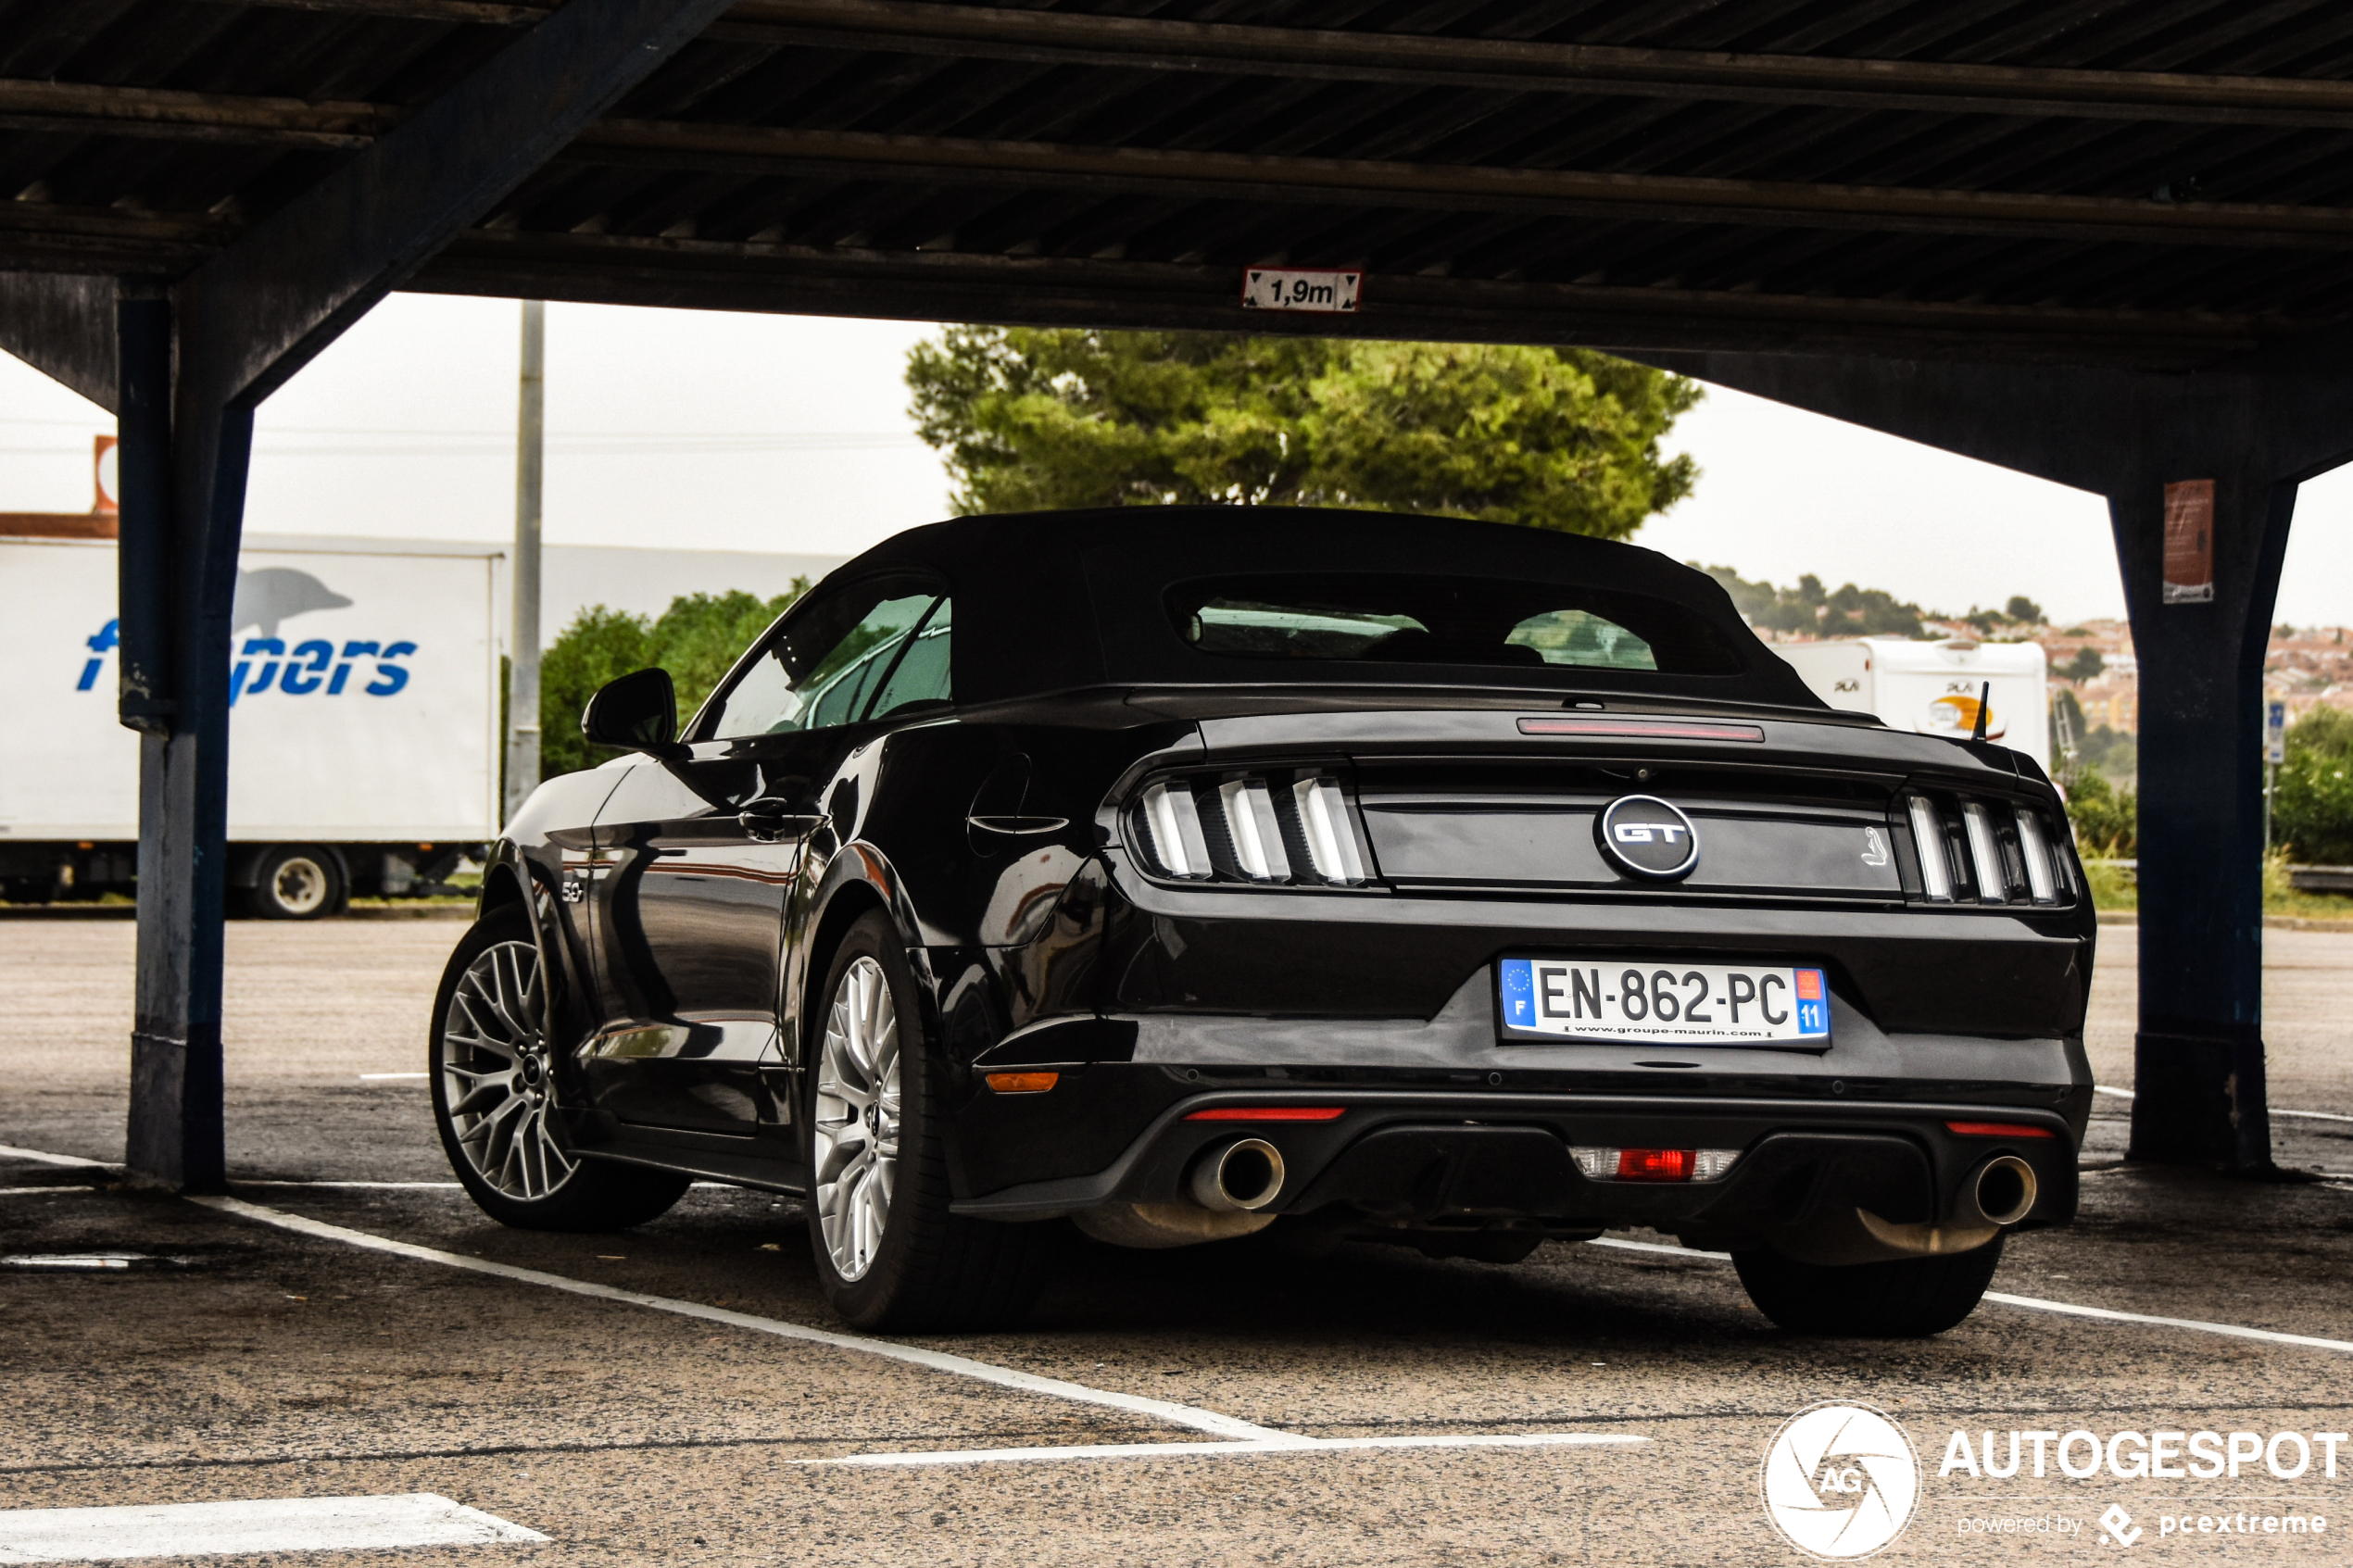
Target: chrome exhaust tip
(2003, 1190)
(1241, 1175)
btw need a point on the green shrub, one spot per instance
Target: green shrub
(2106, 819)
(2313, 807)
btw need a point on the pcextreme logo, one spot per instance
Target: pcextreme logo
(1840, 1481)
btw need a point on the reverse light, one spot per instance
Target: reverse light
(1023, 1083)
(1998, 1130)
(1653, 1164)
(1269, 1113)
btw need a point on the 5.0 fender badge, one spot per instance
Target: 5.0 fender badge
(1645, 837)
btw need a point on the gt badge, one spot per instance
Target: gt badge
(1645, 837)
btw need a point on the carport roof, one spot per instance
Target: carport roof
(2162, 183)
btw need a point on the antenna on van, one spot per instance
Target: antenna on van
(1984, 706)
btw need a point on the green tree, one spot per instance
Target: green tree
(1033, 419)
(2313, 807)
(697, 639)
(2023, 611)
(1849, 612)
(2085, 665)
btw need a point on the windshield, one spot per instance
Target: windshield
(1376, 618)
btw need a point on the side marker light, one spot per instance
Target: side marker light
(1023, 1083)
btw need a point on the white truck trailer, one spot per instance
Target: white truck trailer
(364, 740)
(1934, 688)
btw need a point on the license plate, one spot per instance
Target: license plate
(1612, 999)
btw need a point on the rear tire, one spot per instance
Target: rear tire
(1910, 1299)
(296, 882)
(495, 1097)
(889, 1255)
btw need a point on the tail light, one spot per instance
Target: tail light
(1973, 850)
(1269, 827)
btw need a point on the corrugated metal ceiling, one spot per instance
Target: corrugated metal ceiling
(2162, 182)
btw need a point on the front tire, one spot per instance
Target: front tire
(1908, 1298)
(889, 1255)
(495, 1097)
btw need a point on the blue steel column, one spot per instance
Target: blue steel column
(2198, 1056)
(236, 329)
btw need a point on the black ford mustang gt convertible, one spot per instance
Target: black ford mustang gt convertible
(1181, 872)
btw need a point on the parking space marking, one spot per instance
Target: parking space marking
(1248, 1438)
(1227, 1450)
(2037, 1304)
(198, 1529)
(59, 1186)
(388, 1077)
(10, 1151)
(371, 1187)
(2275, 1110)
(935, 1360)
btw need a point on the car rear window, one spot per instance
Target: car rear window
(1402, 619)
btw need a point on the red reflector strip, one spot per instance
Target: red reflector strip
(1638, 730)
(1269, 1114)
(1997, 1130)
(1655, 1165)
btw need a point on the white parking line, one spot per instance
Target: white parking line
(10, 1151)
(1224, 1450)
(935, 1360)
(1249, 1438)
(198, 1529)
(371, 1187)
(388, 1077)
(61, 1186)
(2306, 1115)
(2036, 1304)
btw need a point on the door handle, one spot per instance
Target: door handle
(770, 820)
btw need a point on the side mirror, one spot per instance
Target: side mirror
(637, 712)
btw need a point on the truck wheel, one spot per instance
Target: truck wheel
(295, 881)
(495, 1097)
(889, 1255)
(1910, 1299)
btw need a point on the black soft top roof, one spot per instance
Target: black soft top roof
(1056, 601)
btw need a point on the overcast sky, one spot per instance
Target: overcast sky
(690, 429)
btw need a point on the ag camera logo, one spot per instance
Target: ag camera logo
(1840, 1481)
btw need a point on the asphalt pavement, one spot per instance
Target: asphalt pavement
(679, 1394)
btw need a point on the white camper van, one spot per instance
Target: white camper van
(363, 752)
(1934, 688)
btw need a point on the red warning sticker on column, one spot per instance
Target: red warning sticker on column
(2189, 542)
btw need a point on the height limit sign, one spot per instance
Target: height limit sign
(1270, 288)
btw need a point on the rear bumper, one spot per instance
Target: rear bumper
(1433, 1162)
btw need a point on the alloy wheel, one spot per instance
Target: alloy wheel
(855, 1129)
(495, 1075)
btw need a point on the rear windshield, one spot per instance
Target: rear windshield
(1375, 618)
